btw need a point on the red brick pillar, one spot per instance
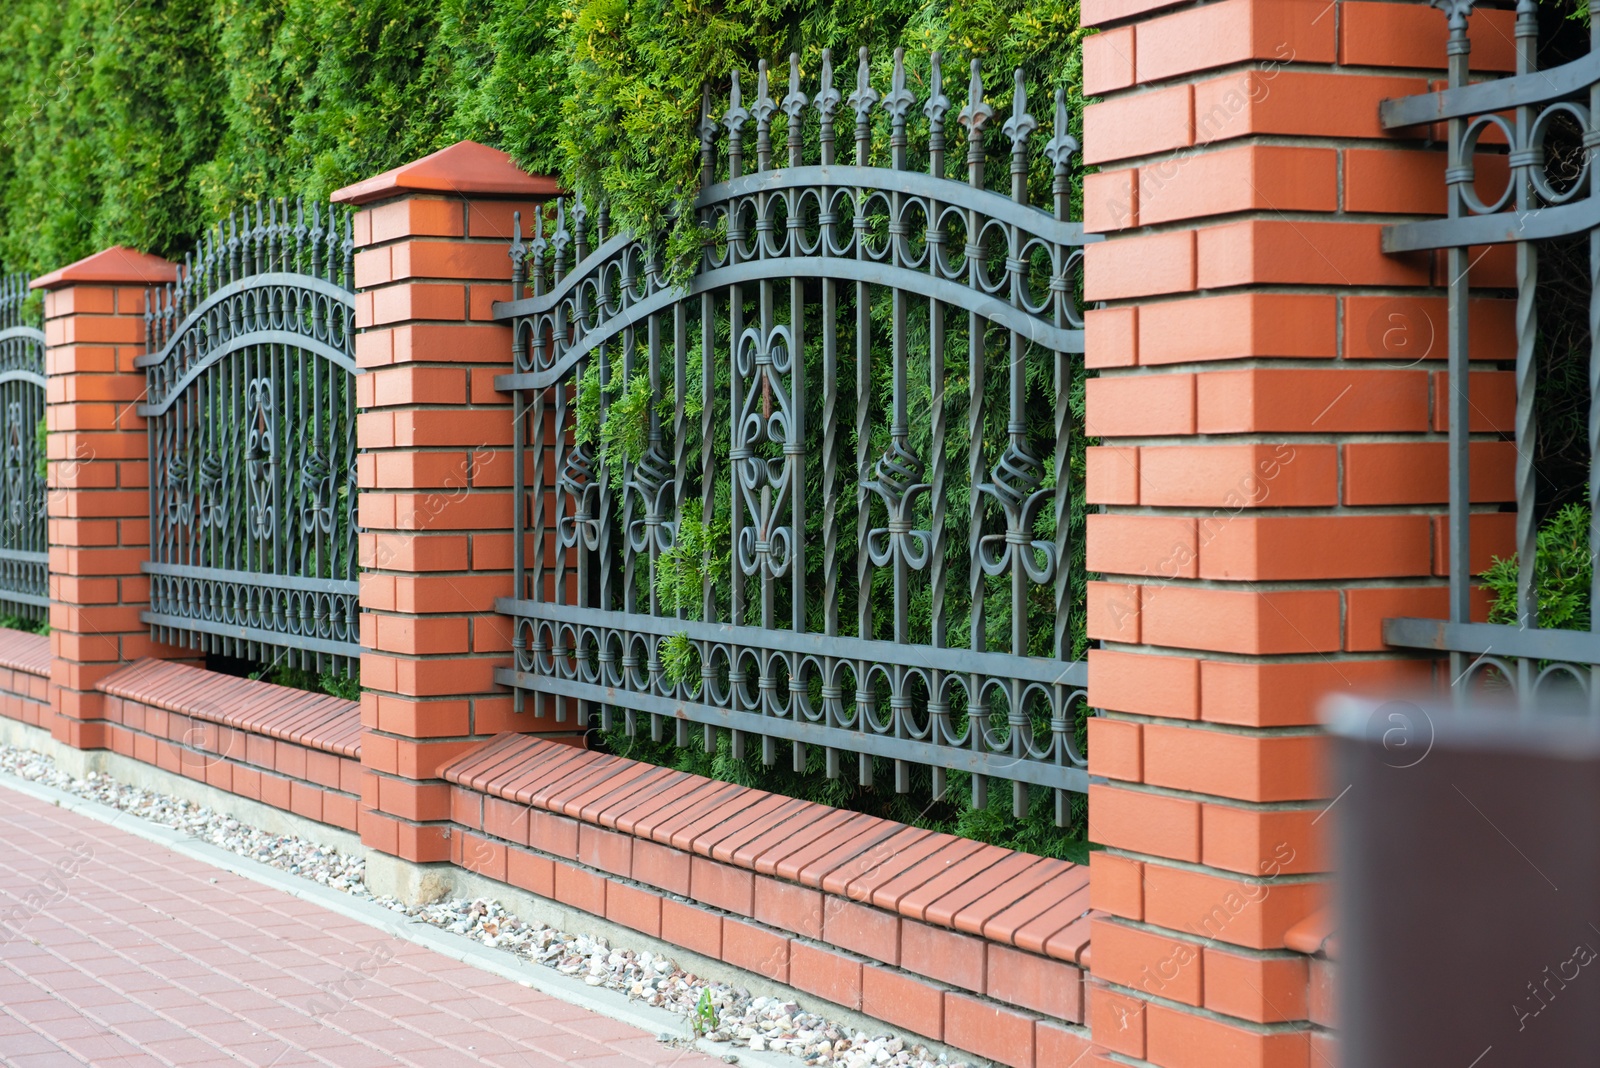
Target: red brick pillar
(432, 241)
(1268, 479)
(99, 496)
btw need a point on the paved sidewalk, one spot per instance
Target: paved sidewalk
(116, 951)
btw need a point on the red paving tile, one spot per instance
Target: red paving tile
(148, 957)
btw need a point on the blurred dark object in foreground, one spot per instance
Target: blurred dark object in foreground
(1468, 885)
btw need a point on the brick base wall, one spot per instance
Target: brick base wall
(976, 946)
(296, 751)
(25, 677)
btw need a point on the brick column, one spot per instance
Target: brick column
(99, 498)
(1269, 479)
(432, 241)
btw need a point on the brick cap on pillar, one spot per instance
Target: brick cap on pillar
(117, 265)
(465, 167)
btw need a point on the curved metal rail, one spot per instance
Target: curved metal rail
(802, 495)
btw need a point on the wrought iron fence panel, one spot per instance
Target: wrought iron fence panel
(1549, 123)
(24, 525)
(816, 492)
(250, 404)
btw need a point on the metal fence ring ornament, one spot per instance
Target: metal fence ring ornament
(808, 673)
(772, 682)
(1037, 745)
(1535, 144)
(746, 678)
(1036, 304)
(1078, 757)
(839, 690)
(638, 653)
(1579, 676)
(715, 673)
(992, 238)
(1465, 179)
(916, 704)
(909, 232)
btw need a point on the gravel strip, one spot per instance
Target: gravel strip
(721, 1013)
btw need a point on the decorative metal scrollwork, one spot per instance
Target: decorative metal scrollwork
(317, 476)
(652, 481)
(180, 491)
(763, 454)
(898, 483)
(261, 456)
(18, 437)
(582, 490)
(1015, 483)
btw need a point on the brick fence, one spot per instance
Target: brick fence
(1266, 487)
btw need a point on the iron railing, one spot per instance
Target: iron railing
(818, 492)
(24, 526)
(1550, 122)
(251, 408)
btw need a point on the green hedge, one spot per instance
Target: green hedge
(140, 122)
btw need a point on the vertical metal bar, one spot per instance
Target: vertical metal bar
(541, 540)
(863, 100)
(680, 429)
(827, 101)
(735, 120)
(1527, 33)
(897, 103)
(938, 707)
(708, 378)
(1060, 151)
(531, 334)
(519, 509)
(562, 447)
(1591, 139)
(1458, 50)
(1018, 127)
(605, 556)
(652, 506)
(975, 116)
(708, 486)
(767, 298)
(708, 407)
(630, 558)
(794, 104)
(680, 474)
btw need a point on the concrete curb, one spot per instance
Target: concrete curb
(574, 991)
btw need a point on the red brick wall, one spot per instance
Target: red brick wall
(435, 473)
(1268, 404)
(99, 500)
